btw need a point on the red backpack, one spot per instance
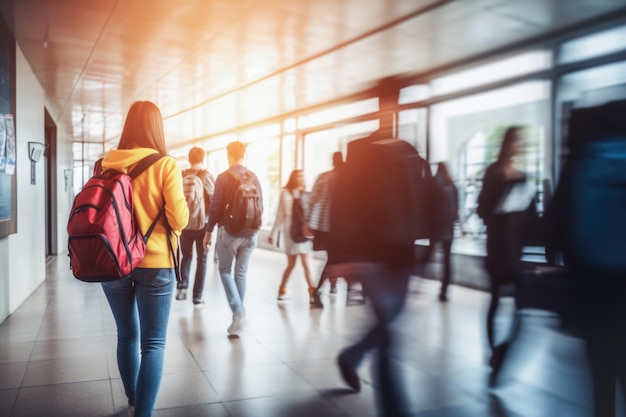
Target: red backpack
(104, 241)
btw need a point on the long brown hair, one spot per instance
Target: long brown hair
(143, 128)
(510, 137)
(292, 184)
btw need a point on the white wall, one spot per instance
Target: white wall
(23, 255)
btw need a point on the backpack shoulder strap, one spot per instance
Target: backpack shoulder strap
(144, 164)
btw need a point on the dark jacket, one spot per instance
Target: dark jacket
(376, 213)
(588, 217)
(505, 231)
(225, 185)
(446, 209)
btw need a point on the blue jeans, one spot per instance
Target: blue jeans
(187, 239)
(141, 308)
(239, 249)
(386, 289)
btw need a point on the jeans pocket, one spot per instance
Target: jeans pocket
(153, 277)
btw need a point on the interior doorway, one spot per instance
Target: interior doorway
(50, 161)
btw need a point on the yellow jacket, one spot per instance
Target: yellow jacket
(161, 184)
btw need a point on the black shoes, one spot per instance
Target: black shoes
(496, 361)
(349, 376)
(317, 299)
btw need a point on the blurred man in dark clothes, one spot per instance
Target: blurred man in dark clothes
(588, 219)
(378, 210)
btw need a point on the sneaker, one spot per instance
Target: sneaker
(198, 302)
(181, 294)
(237, 326)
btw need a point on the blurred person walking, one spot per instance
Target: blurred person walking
(445, 214)
(236, 209)
(587, 223)
(318, 221)
(506, 204)
(198, 185)
(141, 302)
(380, 206)
(289, 222)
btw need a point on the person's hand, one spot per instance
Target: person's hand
(307, 231)
(270, 240)
(206, 242)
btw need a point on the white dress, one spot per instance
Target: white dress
(282, 225)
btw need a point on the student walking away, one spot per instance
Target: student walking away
(289, 222)
(506, 203)
(318, 221)
(445, 214)
(237, 209)
(379, 208)
(141, 302)
(588, 219)
(198, 185)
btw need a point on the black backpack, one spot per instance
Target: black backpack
(297, 219)
(244, 210)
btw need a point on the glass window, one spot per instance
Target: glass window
(466, 134)
(318, 150)
(263, 158)
(594, 45)
(412, 128)
(333, 114)
(288, 158)
(217, 162)
(502, 69)
(414, 93)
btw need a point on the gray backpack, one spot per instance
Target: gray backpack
(193, 187)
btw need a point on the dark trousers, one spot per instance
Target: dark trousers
(385, 289)
(496, 283)
(604, 325)
(187, 240)
(446, 246)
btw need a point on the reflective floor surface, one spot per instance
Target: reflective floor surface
(57, 355)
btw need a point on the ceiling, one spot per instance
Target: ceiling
(213, 65)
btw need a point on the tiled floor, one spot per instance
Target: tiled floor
(57, 355)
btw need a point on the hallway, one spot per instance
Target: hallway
(57, 355)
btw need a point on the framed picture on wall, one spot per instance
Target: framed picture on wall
(8, 154)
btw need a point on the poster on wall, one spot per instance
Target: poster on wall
(10, 143)
(3, 142)
(5, 198)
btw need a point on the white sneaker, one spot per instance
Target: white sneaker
(181, 294)
(237, 326)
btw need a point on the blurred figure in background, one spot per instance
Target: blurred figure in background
(588, 219)
(505, 204)
(377, 213)
(318, 221)
(445, 214)
(290, 223)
